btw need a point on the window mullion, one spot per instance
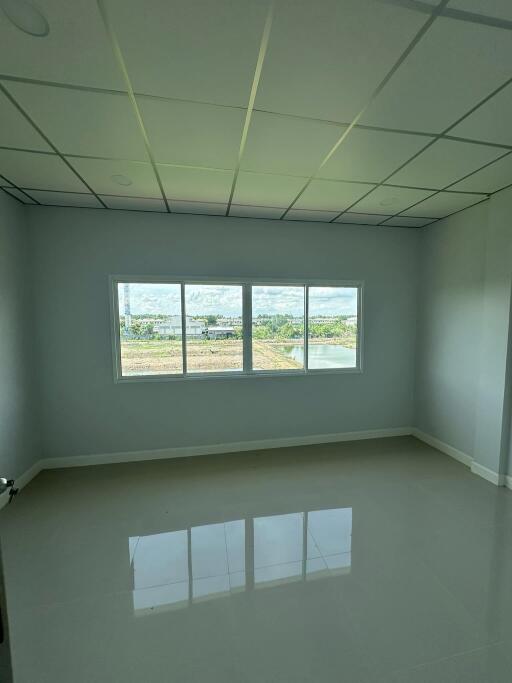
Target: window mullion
(247, 327)
(183, 329)
(306, 327)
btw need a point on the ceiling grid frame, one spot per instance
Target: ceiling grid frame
(419, 35)
(118, 56)
(433, 11)
(46, 139)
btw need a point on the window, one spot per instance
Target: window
(166, 330)
(150, 328)
(213, 318)
(332, 327)
(277, 328)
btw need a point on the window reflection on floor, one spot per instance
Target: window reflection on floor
(177, 568)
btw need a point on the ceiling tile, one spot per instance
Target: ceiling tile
(38, 171)
(370, 155)
(98, 174)
(209, 49)
(305, 215)
(76, 50)
(491, 121)
(15, 130)
(390, 199)
(256, 211)
(18, 194)
(454, 65)
(318, 63)
(195, 185)
(194, 134)
(363, 218)
(490, 179)
(134, 203)
(443, 204)
(444, 162)
(209, 208)
(501, 9)
(86, 200)
(288, 145)
(77, 122)
(408, 222)
(331, 195)
(259, 189)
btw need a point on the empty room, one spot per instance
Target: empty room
(255, 341)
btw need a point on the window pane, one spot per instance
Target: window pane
(150, 328)
(214, 328)
(277, 328)
(332, 327)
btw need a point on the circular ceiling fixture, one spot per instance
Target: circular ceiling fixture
(26, 17)
(121, 179)
(390, 201)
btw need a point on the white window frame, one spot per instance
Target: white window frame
(246, 284)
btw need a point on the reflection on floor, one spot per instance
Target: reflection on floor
(177, 568)
(369, 562)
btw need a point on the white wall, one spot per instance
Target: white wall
(464, 345)
(19, 444)
(85, 412)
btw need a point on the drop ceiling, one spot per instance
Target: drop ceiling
(370, 112)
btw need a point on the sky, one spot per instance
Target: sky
(226, 300)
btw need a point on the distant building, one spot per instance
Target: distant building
(172, 327)
(219, 332)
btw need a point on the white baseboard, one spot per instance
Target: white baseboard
(230, 447)
(465, 459)
(489, 475)
(22, 481)
(462, 457)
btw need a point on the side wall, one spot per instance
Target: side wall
(85, 412)
(19, 443)
(464, 347)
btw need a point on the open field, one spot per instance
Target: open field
(160, 356)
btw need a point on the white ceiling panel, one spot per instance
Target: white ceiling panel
(18, 194)
(256, 211)
(287, 145)
(194, 134)
(491, 121)
(38, 171)
(362, 218)
(200, 50)
(445, 162)
(128, 178)
(490, 179)
(134, 203)
(85, 200)
(319, 61)
(370, 155)
(389, 199)
(455, 64)
(259, 189)
(77, 122)
(500, 9)
(443, 204)
(15, 130)
(408, 222)
(305, 215)
(209, 208)
(195, 184)
(76, 50)
(331, 195)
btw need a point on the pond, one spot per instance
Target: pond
(322, 356)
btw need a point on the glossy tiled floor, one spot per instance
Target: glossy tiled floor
(379, 561)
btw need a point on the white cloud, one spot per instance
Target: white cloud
(161, 298)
